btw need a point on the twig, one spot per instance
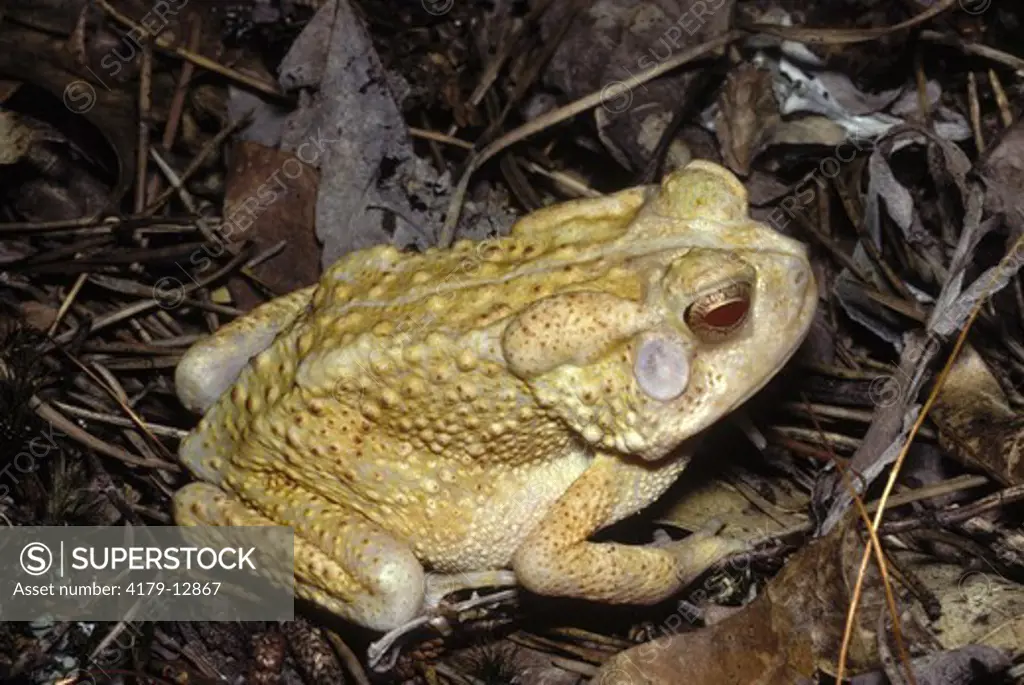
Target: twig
(207, 150)
(968, 511)
(65, 305)
(439, 137)
(875, 547)
(177, 100)
(829, 36)
(145, 106)
(902, 456)
(977, 49)
(193, 57)
(348, 657)
(48, 413)
(974, 107)
(146, 305)
(1002, 101)
(567, 112)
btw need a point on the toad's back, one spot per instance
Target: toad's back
(386, 390)
(547, 251)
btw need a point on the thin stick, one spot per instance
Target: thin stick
(208, 149)
(902, 456)
(197, 59)
(827, 36)
(874, 546)
(613, 90)
(145, 107)
(1003, 102)
(974, 107)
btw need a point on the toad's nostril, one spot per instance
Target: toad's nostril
(662, 367)
(799, 277)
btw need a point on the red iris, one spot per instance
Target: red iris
(715, 316)
(727, 314)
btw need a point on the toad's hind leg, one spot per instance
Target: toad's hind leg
(343, 562)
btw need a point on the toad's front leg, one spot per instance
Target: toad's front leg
(556, 559)
(213, 364)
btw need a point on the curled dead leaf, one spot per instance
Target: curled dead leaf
(39, 61)
(789, 633)
(747, 116)
(16, 137)
(976, 423)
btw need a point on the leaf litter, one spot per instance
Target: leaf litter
(165, 171)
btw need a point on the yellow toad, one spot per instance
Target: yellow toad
(492, 405)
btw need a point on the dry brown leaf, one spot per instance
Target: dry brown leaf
(714, 499)
(1003, 168)
(38, 315)
(978, 608)
(747, 116)
(271, 197)
(785, 636)
(809, 130)
(607, 43)
(976, 423)
(16, 137)
(40, 61)
(373, 189)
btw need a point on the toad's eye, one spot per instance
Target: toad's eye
(716, 315)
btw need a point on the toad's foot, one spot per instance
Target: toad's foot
(383, 653)
(441, 585)
(700, 551)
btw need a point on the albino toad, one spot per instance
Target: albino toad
(493, 405)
